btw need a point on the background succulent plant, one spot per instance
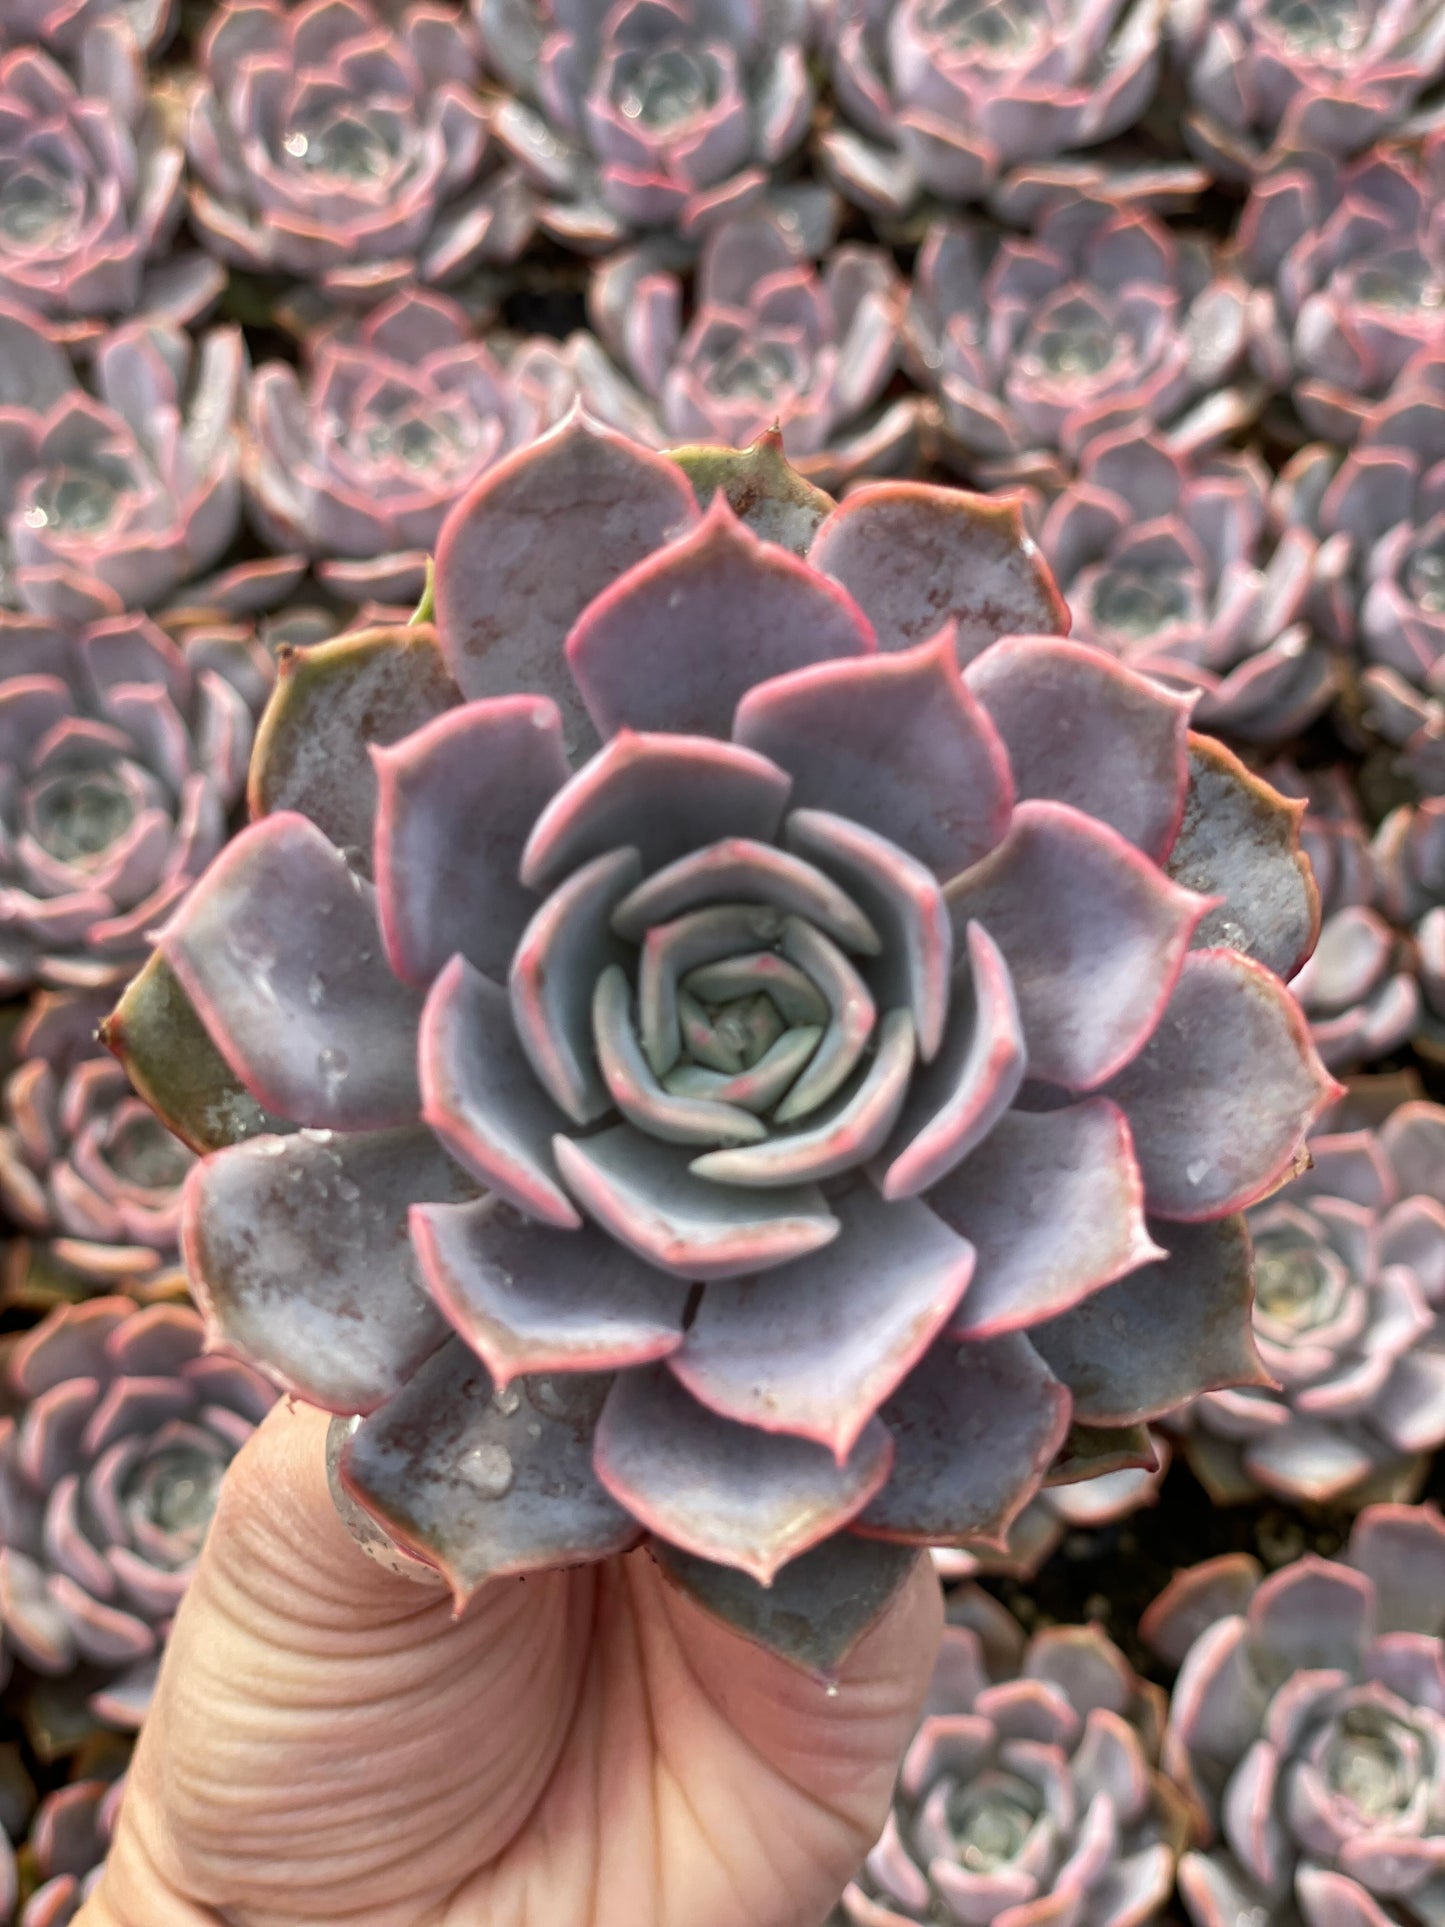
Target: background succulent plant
(113, 501)
(1031, 1790)
(1349, 1290)
(121, 756)
(1359, 988)
(1101, 319)
(770, 341)
(1169, 562)
(90, 192)
(947, 97)
(1378, 511)
(1409, 852)
(1268, 78)
(1306, 1727)
(345, 145)
(62, 26)
(1349, 281)
(117, 1433)
(69, 1838)
(356, 460)
(84, 1164)
(653, 114)
(690, 964)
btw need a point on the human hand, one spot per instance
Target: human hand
(329, 1746)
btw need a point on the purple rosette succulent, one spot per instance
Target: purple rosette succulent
(1378, 511)
(1035, 345)
(1348, 267)
(117, 1433)
(1409, 854)
(356, 460)
(949, 98)
(743, 1049)
(90, 192)
(1307, 1728)
(122, 754)
(1031, 1791)
(1170, 563)
(653, 114)
(113, 500)
(771, 342)
(87, 1169)
(64, 26)
(68, 1840)
(1349, 1317)
(1358, 989)
(344, 145)
(1267, 79)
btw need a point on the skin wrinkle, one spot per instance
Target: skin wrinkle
(585, 1749)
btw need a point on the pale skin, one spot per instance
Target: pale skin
(330, 1747)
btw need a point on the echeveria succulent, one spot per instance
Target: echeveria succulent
(1268, 78)
(1409, 853)
(1169, 562)
(652, 961)
(63, 26)
(90, 192)
(1358, 989)
(85, 1166)
(118, 1431)
(111, 501)
(344, 144)
(1031, 1791)
(1348, 264)
(947, 97)
(356, 461)
(1378, 511)
(1307, 1727)
(65, 1849)
(770, 341)
(121, 756)
(1349, 1316)
(649, 113)
(1101, 319)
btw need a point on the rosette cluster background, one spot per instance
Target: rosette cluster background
(281, 283)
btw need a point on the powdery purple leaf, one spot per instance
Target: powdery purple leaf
(914, 557)
(954, 1102)
(975, 1427)
(678, 641)
(1087, 1005)
(298, 1253)
(642, 1192)
(457, 800)
(1222, 1094)
(332, 703)
(479, 1094)
(665, 796)
(1052, 1201)
(818, 1606)
(504, 606)
(1081, 729)
(1239, 840)
(896, 741)
(724, 1491)
(814, 1348)
(530, 1298)
(280, 952)
(1144, 1345)
(484, 1485)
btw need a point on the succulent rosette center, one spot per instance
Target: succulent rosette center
(1320, 29)
(726, 1059)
